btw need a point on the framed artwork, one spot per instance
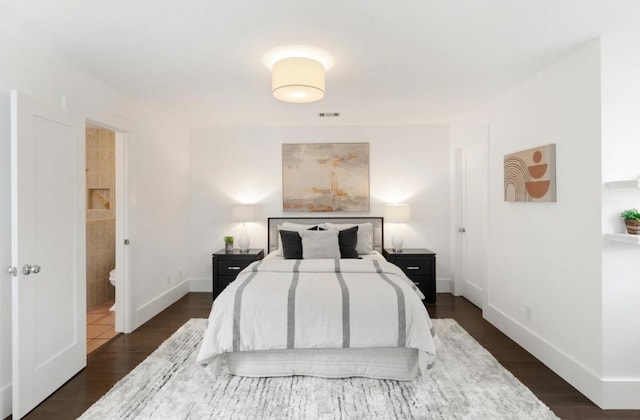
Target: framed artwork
(325, 177)
(530, 175)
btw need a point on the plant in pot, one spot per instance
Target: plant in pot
(632, 221)
(228, 243)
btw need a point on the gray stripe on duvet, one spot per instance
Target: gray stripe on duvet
(291, 308)
(346, 316)
(237, 309)
(376, 264)
(402, 315)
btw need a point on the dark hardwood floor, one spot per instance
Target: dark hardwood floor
(114, 360)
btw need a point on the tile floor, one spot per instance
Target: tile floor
(100, 326)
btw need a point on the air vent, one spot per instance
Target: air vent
(328, 114)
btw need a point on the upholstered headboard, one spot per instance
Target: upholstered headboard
(274, 222)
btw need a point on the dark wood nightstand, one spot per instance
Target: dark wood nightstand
(227, 265)
(419, 264)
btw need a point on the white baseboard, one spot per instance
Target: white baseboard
(606, 393)
(200, 285)
(444, 285)
(578, 375)
(160, 303)
(5, 401)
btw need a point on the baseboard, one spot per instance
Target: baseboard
(5, 401)
(578, 375)
(444, 285)
(160, 303)
(200, 285)
(621, 394)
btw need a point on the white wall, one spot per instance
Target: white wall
(232, 165)
(620, 263)
(548, 255)
(158, 161)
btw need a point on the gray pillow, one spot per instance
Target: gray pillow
(320, 244)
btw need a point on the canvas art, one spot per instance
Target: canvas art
(530, 175)
(325, 177)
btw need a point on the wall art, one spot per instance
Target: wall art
(325, 177)
(530, 175)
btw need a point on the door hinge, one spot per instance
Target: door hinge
(13, 271)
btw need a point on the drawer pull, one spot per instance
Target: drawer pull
(413, 268)
(233, 268)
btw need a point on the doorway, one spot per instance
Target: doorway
(101, 196)
(471, 214)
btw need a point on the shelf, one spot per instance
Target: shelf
(631, 183)
(623, 237)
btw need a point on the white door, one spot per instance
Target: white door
(48, 235)
(472, 173)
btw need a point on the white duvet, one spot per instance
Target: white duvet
(330, 304)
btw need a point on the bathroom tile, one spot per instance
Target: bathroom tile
(94, 330)
(107, 319)
(95, 344)
(94, 317)
(110, 333)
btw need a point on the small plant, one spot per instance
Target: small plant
(228, 239)
(630, 214)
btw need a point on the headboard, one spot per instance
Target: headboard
(274, 222)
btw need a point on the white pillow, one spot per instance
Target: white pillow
(318, 244)
(290, 226)
(365, 235)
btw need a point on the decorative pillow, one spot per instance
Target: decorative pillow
(348, 240)
(292, 227)
(291, 244)
(317, 244)
(365, 235)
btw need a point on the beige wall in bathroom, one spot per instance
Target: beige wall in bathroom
(101, 223)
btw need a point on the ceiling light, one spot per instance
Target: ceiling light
(297, 72)
(298, 80)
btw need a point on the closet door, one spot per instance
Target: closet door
(48, 250)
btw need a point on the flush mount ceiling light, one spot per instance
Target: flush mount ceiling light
(297, 72)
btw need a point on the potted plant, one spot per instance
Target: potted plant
(632, 221)
(228, 243)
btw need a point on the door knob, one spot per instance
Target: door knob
(30, 269)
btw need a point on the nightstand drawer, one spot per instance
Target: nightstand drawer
(413, 266)
(223, 281)
(232, 267)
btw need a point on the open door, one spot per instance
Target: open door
(471, 209)
(47, 250)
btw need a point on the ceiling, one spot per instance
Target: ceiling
(409, 61)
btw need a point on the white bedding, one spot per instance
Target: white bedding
(277, 304)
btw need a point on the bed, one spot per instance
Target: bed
(309, 309)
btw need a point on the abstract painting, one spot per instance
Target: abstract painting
(530, 175)
(325, 177)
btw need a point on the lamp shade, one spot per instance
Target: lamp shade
(397, 213)
(244, 213)
(297, 79)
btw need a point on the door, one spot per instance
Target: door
(472, 175)
(47, 250)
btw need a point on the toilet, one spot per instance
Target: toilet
(112, 280)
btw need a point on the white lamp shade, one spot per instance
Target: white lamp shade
(397, 213)
(244, 213)
(297, 79)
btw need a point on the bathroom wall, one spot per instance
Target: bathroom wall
(101, 223)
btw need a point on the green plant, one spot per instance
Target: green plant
(228, 239)
(630, 214)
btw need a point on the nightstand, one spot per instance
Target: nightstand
(227, 265)
(419, 264)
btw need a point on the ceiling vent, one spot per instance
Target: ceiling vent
(328, 114)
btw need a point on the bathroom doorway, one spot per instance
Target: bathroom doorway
(101, 197)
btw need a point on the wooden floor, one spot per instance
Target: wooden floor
(115, 359)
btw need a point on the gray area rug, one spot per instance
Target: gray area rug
(466, 383)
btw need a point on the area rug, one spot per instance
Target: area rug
(465, 383)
